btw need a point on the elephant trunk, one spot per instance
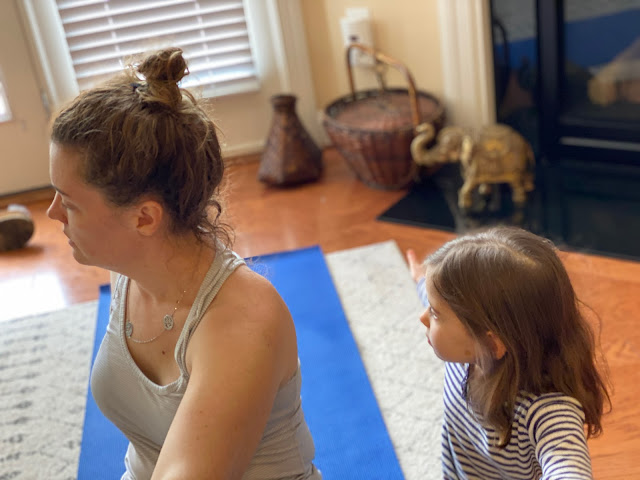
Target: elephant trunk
(465, 151)
(425, 133)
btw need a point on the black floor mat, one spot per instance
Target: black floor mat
(433, 203)
(424, 206)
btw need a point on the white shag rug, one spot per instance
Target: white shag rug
(45, 360)
(382, 306)
(44, 374)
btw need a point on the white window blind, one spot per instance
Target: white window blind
(213, 34)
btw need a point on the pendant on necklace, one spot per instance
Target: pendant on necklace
(128, 328)
(168, 322)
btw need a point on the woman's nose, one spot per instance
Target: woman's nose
(54, 212)
(50, 210)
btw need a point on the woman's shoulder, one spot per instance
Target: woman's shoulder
(247, 318)
(231, 284)
(245, 286)
(247, 304)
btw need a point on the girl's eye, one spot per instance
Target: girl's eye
(432, 314)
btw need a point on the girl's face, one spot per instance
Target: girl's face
(97, 232)
(449, 338)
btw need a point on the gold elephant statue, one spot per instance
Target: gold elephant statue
(497, 154)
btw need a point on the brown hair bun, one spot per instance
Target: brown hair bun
(162, 71)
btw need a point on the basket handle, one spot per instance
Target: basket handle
(382, 58)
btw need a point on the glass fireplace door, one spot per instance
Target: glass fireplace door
(600, 71)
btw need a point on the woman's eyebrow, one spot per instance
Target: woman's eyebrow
(61, 192)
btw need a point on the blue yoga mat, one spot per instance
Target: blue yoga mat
(342, 412)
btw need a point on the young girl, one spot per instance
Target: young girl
(521, 381)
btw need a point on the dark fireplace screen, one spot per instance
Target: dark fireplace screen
(567, 77)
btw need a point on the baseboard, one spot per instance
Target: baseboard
(28, 196)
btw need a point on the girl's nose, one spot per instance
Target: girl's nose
(424, 318)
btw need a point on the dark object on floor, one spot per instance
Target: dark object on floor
(424, 206)
(290, 156)
(433, 204)
(373, 129)
(16, 227)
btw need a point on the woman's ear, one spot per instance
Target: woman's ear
(496, 345)
(149, 216)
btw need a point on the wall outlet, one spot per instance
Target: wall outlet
(356, 28)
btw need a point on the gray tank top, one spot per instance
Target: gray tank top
(143, 410)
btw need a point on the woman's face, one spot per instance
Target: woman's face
(98, 232)
(447, 335)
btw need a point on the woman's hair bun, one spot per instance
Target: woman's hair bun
(166, 65)
(162, 70)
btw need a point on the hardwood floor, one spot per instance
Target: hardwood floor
(339, 212)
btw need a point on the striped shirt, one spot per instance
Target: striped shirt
(547, 438)
(547, 442)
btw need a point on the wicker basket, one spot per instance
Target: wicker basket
(373, 129)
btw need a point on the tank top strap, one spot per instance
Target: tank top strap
(117, 293)
(224, 264)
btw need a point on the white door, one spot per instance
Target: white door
(24, 143)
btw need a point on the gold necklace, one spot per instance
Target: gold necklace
(167, 321)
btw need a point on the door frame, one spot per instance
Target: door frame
(467, 62)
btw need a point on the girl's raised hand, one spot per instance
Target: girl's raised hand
(416, 268)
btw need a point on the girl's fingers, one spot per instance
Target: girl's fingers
(414, 266)
(411, 258)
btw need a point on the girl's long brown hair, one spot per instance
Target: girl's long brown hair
(143, 135)
(511, 282)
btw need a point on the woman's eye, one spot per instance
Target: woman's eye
(62, 204)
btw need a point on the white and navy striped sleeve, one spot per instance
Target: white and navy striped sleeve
(556, 429)
(422, 291)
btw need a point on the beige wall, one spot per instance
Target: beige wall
(406, 30)
(24, 143)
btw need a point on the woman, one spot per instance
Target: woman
(199, 365)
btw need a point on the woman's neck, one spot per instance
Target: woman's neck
(162, 272)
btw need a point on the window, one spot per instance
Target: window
(103, 34)
(275, 37)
